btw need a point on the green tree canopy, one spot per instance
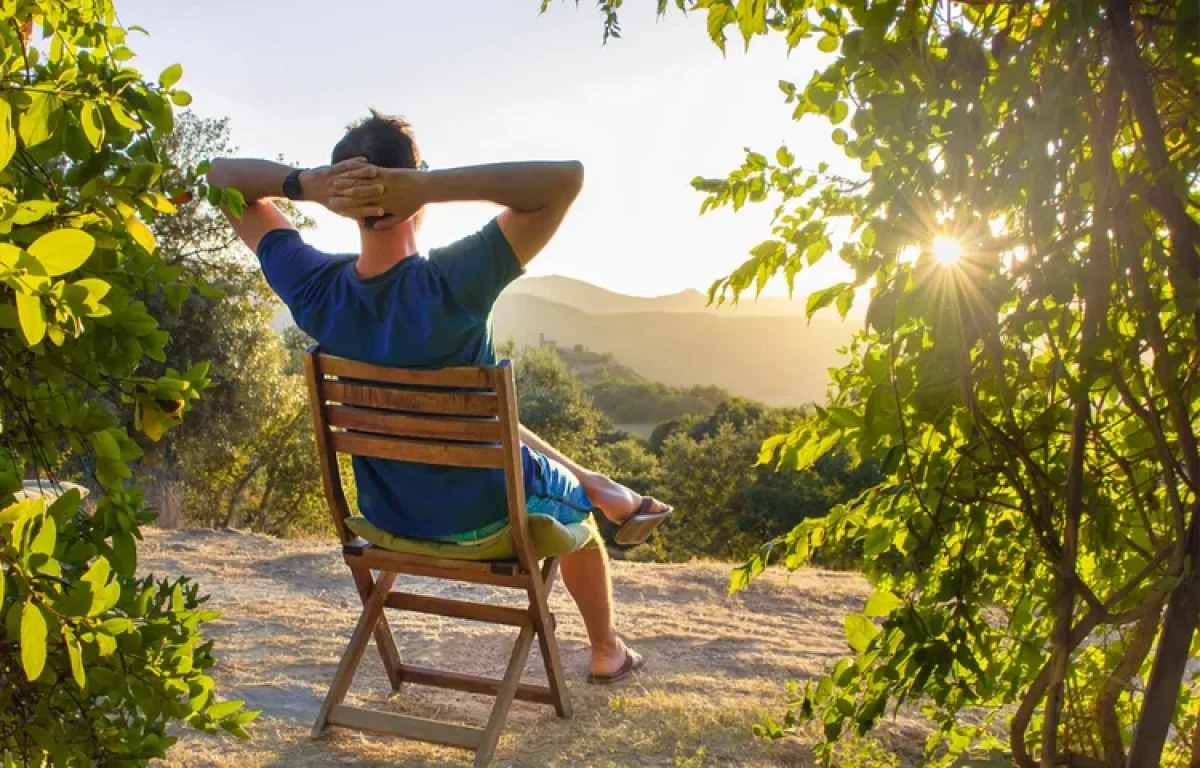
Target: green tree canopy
(1035, 541)
(95, 662)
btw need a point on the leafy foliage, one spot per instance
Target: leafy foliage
(95, 661)
(246, 456)
(1033, 404)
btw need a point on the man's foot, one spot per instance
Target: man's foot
(611, 665)
(617, 502)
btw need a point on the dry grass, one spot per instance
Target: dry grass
(715, 665)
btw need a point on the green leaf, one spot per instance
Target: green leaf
(181, 98)
(33, 640)
(93, 124)
(839, 112)
(63, 250)
(827, 44)
(30, 211)
(97, 574)
(881, 603)
(76, 656)
(225, 708)
(140, 233)
(47, 537)
(860, 631)
(40, 121)
(8, 139)
(170, 75)
(818, 300)
(32, 315)
(124, 553)
(839, 136)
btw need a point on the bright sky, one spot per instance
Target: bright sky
(491, 80)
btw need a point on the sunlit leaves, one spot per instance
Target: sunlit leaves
(62, 250)
(31, 314)
(93, 124)
(39, 122)
(982, 124)
(170, 76)
(82, 177)
(8, 137)
(33, 640)
(860, 631)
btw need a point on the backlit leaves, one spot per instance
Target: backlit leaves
(33, 640)
(62, 251)
(100, 662)
(988, 124)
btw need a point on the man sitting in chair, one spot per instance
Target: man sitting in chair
(389, 305)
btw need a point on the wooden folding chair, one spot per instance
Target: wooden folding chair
(464, 417)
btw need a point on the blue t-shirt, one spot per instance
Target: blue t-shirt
(430, 312)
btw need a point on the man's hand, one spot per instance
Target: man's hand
(398, 193)
(348, 188)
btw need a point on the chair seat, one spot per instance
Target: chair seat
(550, 538)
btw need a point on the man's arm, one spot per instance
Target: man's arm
(260, 180)
(536, 194)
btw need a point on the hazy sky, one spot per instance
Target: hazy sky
(491, 80)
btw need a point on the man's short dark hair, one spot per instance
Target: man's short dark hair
(384, 140)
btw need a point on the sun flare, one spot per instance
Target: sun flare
(946, 250)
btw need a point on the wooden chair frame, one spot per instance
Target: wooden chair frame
(458, 417)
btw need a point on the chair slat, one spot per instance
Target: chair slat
(406, 726)
(457, 681)
(465, 428)
(457, 609)
(454, 403)
(469, 378)
(379, 559)
(399, 449)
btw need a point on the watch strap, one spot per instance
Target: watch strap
(291, 185)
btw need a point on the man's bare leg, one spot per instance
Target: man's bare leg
(585, 572)
(616, 501)
(586, 576)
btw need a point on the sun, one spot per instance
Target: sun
(946, 250)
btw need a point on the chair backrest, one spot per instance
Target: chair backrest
(461, 417)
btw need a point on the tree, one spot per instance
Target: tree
(95, 662)
(1035, 540)
(246, 456)
(554, 404)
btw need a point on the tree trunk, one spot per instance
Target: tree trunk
(1108, 723)
(1166, 677)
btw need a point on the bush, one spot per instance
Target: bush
(95, 662)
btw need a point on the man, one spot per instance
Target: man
(389, 305)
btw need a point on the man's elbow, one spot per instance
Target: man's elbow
(573, 182)
(218, 173)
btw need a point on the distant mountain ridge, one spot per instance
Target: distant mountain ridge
(777, 359)
(600, 301)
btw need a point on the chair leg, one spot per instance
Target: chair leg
(504, 697)
(367, 623)
(385, 641)
(549, 643)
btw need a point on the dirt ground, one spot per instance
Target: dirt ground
(715, 665)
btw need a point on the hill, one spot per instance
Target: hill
(779, 360)
(714, 664)
(599, 301)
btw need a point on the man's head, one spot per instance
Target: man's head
(384, 141)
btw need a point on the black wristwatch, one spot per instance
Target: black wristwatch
(291, 185)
